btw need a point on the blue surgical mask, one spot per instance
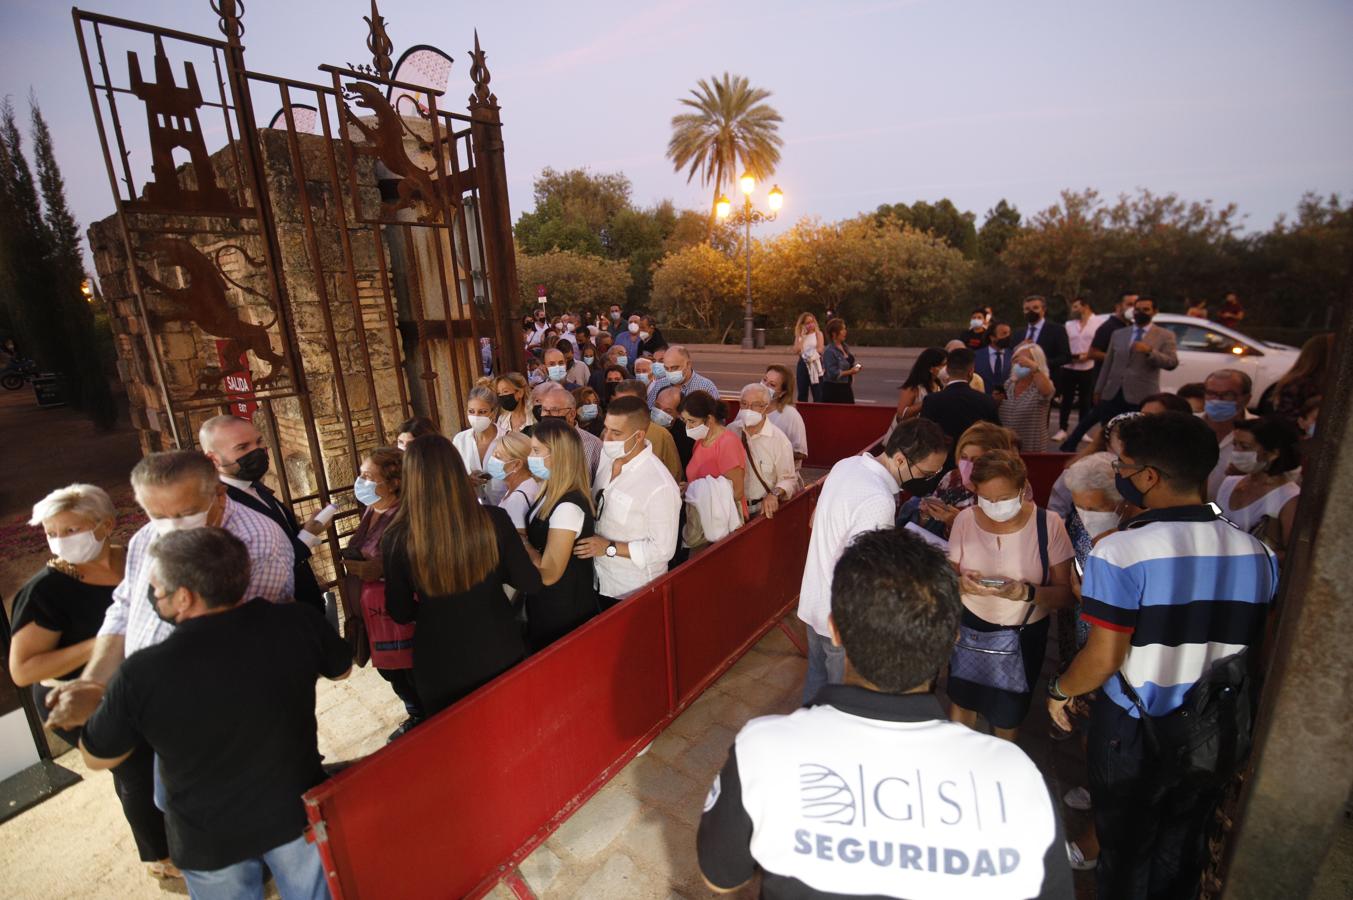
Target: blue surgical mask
(588, 360)
(642, 376)
(587, 412)
(364, 489)
(556, 373)
(622, 360)
(496, 468)
(1022, 371)
(1220, 410)
(676, 377)
(659, 371)
(537, 466)
(661, 417)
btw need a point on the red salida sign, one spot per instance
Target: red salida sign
(238, 384)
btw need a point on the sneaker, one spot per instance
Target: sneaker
(404, 728)
(1077, 859)
(1059, 436)
(1077, 798)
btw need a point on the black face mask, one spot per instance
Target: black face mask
(1032, 317)
(150, 595)
(507, 401)
(1002, 343)
(252, 465)
(921, 487)
(536, 413)
(1142, 318)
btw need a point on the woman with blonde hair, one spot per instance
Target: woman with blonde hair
(562, 516)
(956, 492)
(508, 465)
(446, 559)
(475, 443)
(782, 413)
(514, 400)
(1028, 398)
(57, 615)
(808, 348)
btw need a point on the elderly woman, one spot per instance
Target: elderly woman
(1097, 509)
(1014, 566)
(956, 492)
(1028, 398)
(769, 454)
(508, 464)
(57, 615)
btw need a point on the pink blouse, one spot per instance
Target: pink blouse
(1005, 555)
(718, 459)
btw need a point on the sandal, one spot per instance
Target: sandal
(163, 870)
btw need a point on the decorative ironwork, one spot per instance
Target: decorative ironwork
(232, 15)
(385, 142)
(379, 43)
(479, 74)
(202, 302)
(171, 113)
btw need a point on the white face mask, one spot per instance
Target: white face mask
(1001, 510)
(750, 418)
(614, 449)
(1248, 461)
(479, 424)
(1096, 523)
(644, 335)
(182, 523)
(978, 323)
(634, 328)
(698, 433)
(76, 549)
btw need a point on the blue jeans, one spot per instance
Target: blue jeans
(826, 664)
(296, 868)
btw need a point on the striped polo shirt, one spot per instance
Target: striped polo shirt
(1191, 588)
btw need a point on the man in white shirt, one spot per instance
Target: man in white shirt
(555, 401)
(638, 507)
(1077, 378)
(860, 495)
(771, 477)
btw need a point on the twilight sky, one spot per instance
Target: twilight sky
(883, 100)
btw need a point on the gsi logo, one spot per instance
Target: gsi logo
(824, 795)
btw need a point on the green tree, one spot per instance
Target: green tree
(698, 287)
(1002, 223)
(731, 128)
(572, 280)
(942, 219)
(573, 211)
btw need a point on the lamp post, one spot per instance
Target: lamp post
(723, 208)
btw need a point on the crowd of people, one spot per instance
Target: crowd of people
(610, 460)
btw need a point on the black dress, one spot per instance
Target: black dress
(462, 640)
(556, 609)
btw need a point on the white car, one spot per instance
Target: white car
(1205, 346)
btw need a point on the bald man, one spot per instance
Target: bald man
(236, 448)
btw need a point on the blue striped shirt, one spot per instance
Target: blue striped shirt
(695, 382)
(1190, 593)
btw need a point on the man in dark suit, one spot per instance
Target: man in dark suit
(1049, 335)
(992, 362)
(958, 406)
(236, 448)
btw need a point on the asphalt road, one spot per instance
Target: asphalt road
(885, 368)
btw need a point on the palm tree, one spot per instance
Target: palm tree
(730, 124)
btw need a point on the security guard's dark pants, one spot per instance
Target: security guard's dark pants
(1152, 828)
(1102, 414)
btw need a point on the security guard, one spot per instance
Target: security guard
(871, 790)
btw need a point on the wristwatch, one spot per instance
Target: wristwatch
(1055, 691)
(610, 550)
(1031, 593)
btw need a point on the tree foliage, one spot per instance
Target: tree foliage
(942, 219)
(572, 280)
(698, 287)
(730, 131)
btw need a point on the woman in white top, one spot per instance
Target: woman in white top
(507, 464)
(782, 413)
(475, 443)
(808, 347)
(514, 400)
(1263, 500)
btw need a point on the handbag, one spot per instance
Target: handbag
(391, 642)
(994, 658)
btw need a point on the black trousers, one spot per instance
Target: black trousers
(1081, 386)
(804, 384)
(1152, 827)
(837, 392)
(1103, 413)
(401, 680)
(134, 781)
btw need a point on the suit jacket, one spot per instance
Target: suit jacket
(956, 408)
(307, 588)
(982, 366)
(1052, 338)
(1136, 374)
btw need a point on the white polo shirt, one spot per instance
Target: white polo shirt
(876, 794)
(1081, 337)
(640, 507)
(859, 495)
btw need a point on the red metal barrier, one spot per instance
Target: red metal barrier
(838, 430)
(1043, 470)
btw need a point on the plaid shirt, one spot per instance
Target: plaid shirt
(271, 576)
(695, 382)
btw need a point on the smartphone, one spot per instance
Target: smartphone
(993, 582)
(1080, 570)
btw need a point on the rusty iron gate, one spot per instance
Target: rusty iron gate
(345, 256)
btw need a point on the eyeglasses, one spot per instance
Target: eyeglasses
(556, 411)
(1119, 466)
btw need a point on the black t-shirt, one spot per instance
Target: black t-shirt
(58, 602)
(1104, 333)
(974, 340)
(228, 704)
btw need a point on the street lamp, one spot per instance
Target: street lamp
(723, 208)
